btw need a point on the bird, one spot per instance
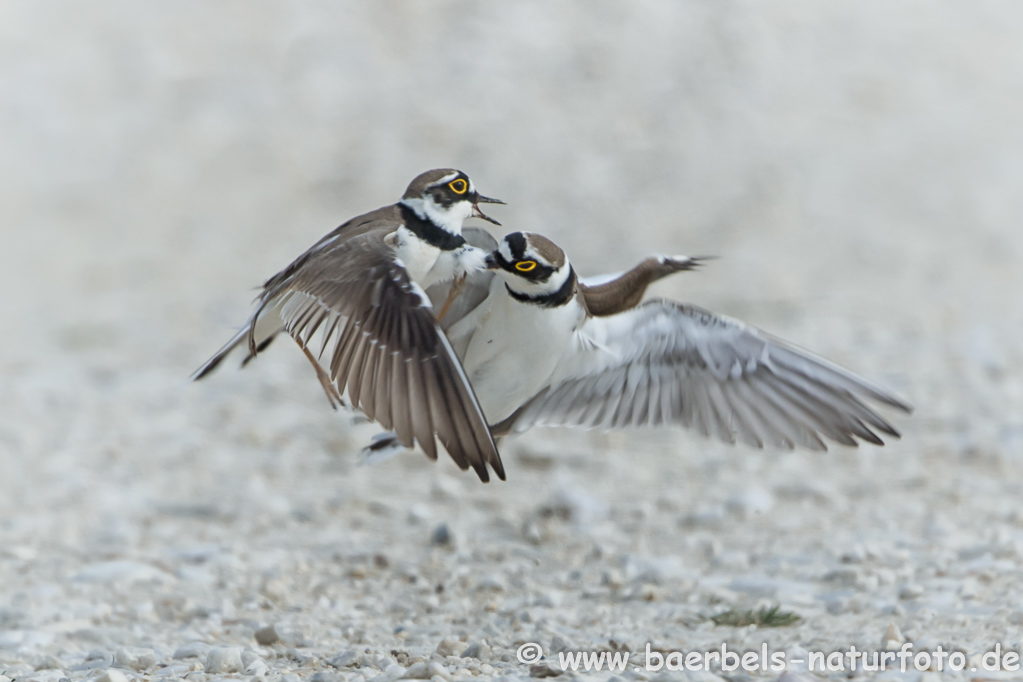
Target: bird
(543, 347)
(362, 286)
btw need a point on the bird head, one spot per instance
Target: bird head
(446, 197)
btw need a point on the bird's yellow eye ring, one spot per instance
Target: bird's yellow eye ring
(525, 265)
(459, 186)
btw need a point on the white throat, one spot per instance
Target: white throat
(449, 219)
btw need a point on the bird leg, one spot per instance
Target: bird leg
(456, 288)
(328, 386)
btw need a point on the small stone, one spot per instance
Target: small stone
(391, 673)
(551, 600)
(267, 636)
(257, 668)
(492, 583)
(418, 671)
(224, 659)
(94, 660)
(50, 663)
(324, 676)
(17, 670)
(191, 650)
(612, 578)
(441, 536)
(911, 591)
(559, 644)
(344, 660)
(837, 607)
(134, 659)
(531, 533)
(303, 658)
(543, 669)
(436, 670)
(479, 650)
(846, 576)
(969, 589)
(892, 636)
(856, 555)
(112, 675)
(448, 647)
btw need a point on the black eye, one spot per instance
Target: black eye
(459, 186)
(525, 265)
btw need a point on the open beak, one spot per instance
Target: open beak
(491, 262)
(477, 213)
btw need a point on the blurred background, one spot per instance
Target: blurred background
(856, 166)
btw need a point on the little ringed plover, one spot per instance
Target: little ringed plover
(362, 287)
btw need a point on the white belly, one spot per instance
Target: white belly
(514, 348)
(418, 257)
(443, 269)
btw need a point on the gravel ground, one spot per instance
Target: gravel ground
(856, 165)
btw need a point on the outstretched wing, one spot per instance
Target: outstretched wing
(385, 347)
(665, 362)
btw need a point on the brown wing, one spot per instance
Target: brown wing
(265, 324)
(625, 291)
(384, 346)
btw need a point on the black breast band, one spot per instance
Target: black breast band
(555, 300)
(429, 232)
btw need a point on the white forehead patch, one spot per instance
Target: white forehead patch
(446, 179)
(533, 255)
(505, 251)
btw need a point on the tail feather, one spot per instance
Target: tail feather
(267, 326)
(239, 339)
(383, 447)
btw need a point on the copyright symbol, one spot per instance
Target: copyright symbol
(529, 653)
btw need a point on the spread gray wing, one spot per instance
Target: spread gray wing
(476, 287)
(669, 363)
(384, 346)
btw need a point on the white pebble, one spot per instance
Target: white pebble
(224, 659)
(448, 647)
(112, 675)
(257, 668)
(479, 650)
(417, 671)
(344, 659)
(191, 650)
(437, 670)
(135, 659)
(892, 636)
(911, 591)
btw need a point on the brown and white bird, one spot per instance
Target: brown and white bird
(543, 348)
(362, 287)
